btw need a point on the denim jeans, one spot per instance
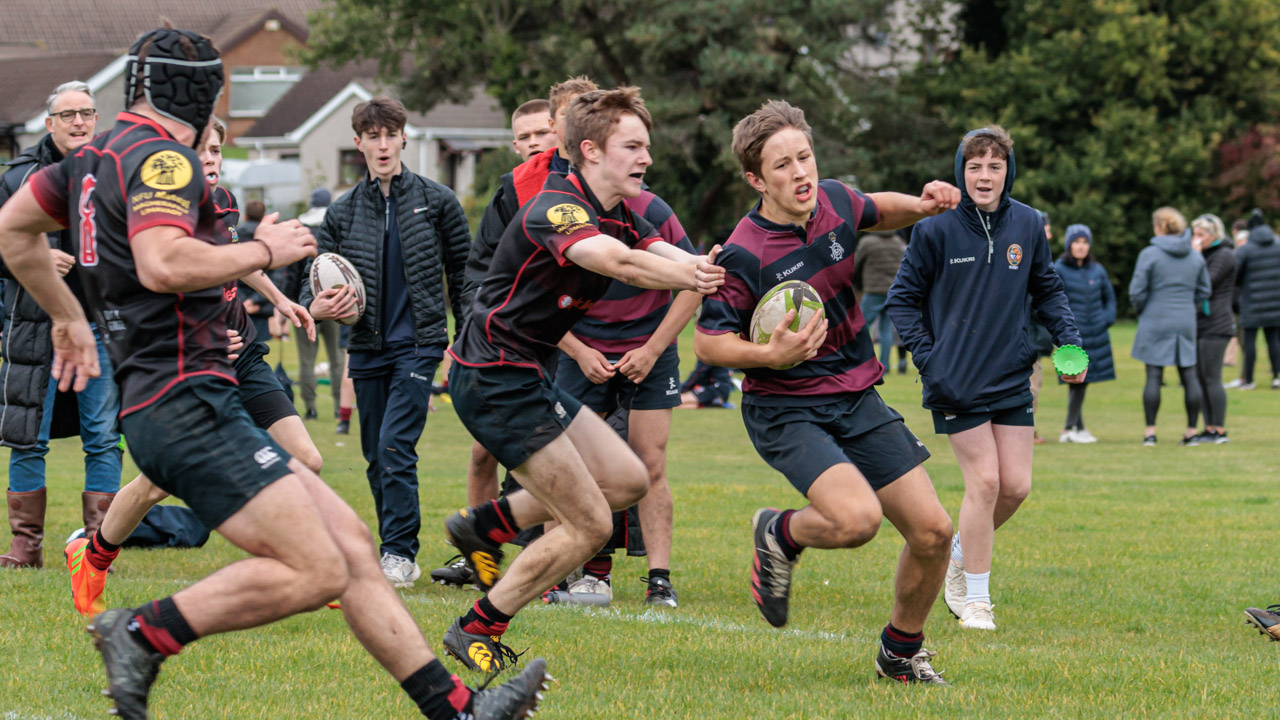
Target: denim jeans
(872, 310)
(99, 434)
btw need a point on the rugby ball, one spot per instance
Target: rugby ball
(780, 300)
(331, 270)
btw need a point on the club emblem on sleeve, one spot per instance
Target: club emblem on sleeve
(567, 218)
(166, 170)
(1014, 256)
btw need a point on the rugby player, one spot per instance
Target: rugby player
(142, 224)
(820, 421)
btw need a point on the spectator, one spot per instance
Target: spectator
(403, 233)
(328, 331)
(1215, 330)
(876, 264)
(1169, 284)
(1258, 277)
(32, 407)
(1093, 302)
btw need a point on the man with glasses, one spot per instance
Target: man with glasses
(31, 409)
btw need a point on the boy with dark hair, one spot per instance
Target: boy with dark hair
(554, 262)
(964, 294)
(808, 400)
(403, 233)
(531, 130)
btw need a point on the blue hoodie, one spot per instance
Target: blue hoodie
(966, 288)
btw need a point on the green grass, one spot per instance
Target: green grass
(1119, 590)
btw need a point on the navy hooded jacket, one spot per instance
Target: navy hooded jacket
(965, 291)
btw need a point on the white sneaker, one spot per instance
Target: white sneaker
(1275, 383)
(401, 572)
(1234, 384)
(955, 589)
(591, 584)
(978, 616)
(1248, 386)
(1067, 436)
(1084, 436)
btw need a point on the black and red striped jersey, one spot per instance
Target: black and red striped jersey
(135, 177)
(533, 294)
(227, 211)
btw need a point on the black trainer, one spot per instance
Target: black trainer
(1189, 441)
(484, 558)
(455, 573)
(915, 669)
(1267, 621)
(660, 591)
(770, 570)
(517, 698)
(485, 653)
(131, 669)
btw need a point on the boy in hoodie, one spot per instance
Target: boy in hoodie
(964, 292)
(808, 401)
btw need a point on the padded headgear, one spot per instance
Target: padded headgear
(177, 87)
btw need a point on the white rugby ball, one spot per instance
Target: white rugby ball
(780, 300)
(331, 270)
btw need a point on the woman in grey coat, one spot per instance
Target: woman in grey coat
(1170, 285)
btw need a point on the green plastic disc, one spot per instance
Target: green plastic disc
(1070, 360)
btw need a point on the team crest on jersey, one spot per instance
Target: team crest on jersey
(166, 170)
(1014, 256)
(837, 250)
(568, 218)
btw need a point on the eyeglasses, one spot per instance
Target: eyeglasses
(68, 116)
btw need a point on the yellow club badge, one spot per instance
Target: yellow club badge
(568, 217)
(166, 170)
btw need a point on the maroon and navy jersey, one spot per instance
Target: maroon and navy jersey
(627, 316)
(127, 180)
(759, 255)
(533, 294)
(227, 211)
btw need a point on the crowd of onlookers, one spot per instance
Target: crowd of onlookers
(1201, 296)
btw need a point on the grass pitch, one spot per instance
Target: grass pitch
(1118, 588)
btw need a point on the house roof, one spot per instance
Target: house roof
(41, 27)
(25, 83)
(318, 93)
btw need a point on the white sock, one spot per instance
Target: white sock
(957, 554)
(977, 587)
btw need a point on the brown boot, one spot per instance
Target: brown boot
(26, 521)
(93, 506)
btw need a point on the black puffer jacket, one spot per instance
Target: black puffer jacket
(1258, 275)
(28, 351)
(1221, 260)
(435, 240)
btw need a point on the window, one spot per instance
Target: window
(351, 167)
(255, 89)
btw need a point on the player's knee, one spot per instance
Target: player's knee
(311, 459)
(983, 485)
(1014, 492)
(631, 483)
(595, 527)
(857, 528)
(933, 537)
(155, 495)
(325, 578)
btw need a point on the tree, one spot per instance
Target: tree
(703, 65)
(1117, 107)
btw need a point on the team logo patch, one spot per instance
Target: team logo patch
(837, 250)
(564, 302)
(1014, 256)
(567, 218)
(166, 170)
(235, 236)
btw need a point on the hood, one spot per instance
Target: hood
(1175, 245)
(44, 152)
(1262, 235)
(959, 168)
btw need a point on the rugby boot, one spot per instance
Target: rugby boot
(483, 556)
(660, 591)
(455, 573)
(87, 582)
(1267, 621)
(93, 508)
(26, 522)
(485, 653)
(770, 570)
(915, 669)
(131, 669)
(516, 699)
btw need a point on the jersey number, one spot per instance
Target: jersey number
(88, 226)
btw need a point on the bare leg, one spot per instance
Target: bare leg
(649, 430)
(976, 453)
(576, 479)
(843, 511)
(1014, 451)
(129, 507)
(911, 504)
(482, 474)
